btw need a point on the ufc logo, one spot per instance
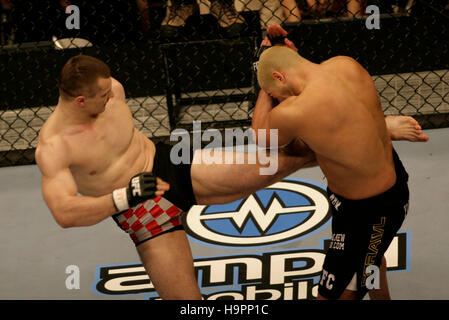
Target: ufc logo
(327, 280)
(255, 66)
(135, 186)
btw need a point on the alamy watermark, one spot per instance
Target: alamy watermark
(233, 150)
(373, 20)
(73, 20)
(72, 281)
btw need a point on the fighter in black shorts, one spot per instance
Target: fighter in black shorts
(362, 230)
(333, 109)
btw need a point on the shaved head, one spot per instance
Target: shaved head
(276, 58)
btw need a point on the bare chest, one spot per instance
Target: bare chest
(97, 147)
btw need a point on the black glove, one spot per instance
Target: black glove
(277, 40)
(274, 41)
(141, 187)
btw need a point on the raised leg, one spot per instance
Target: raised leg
(224, 183)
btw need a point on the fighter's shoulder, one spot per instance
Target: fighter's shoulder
(290, 109)
(342, 61)
(288, 104)
(52, 151)
(294, 101)
(345, 65)
(118, 89)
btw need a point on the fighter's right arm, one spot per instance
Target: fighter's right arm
(60, 192)
(264, 105)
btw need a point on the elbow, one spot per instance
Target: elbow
(62, 218)
(64, 223)
(262, 137)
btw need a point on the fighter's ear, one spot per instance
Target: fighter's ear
(80, 101)
(278, 76)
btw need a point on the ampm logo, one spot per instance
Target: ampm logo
(287, 210)
(287, 274)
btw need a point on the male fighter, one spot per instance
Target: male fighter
(95, 164)
(333, 109)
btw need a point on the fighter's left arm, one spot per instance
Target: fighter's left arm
(291, 120)
(265, 111)
(283, 120)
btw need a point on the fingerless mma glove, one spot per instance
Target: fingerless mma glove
(141, 187)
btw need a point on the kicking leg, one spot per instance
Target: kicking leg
(224, 183)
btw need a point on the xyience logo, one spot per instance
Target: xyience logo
(284, 211)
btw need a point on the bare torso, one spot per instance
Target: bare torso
(104, 154)
(338, 115)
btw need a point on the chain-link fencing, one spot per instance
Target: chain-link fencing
(181, 61)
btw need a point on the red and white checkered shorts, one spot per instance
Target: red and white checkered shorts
(149, 219)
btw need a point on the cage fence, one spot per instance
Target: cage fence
(185, 61)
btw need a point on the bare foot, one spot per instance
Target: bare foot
(405, 128)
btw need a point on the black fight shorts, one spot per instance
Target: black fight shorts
(362, 231)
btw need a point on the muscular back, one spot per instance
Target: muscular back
(102, 155)
(338, 115)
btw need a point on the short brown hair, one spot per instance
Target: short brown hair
(80, 74)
